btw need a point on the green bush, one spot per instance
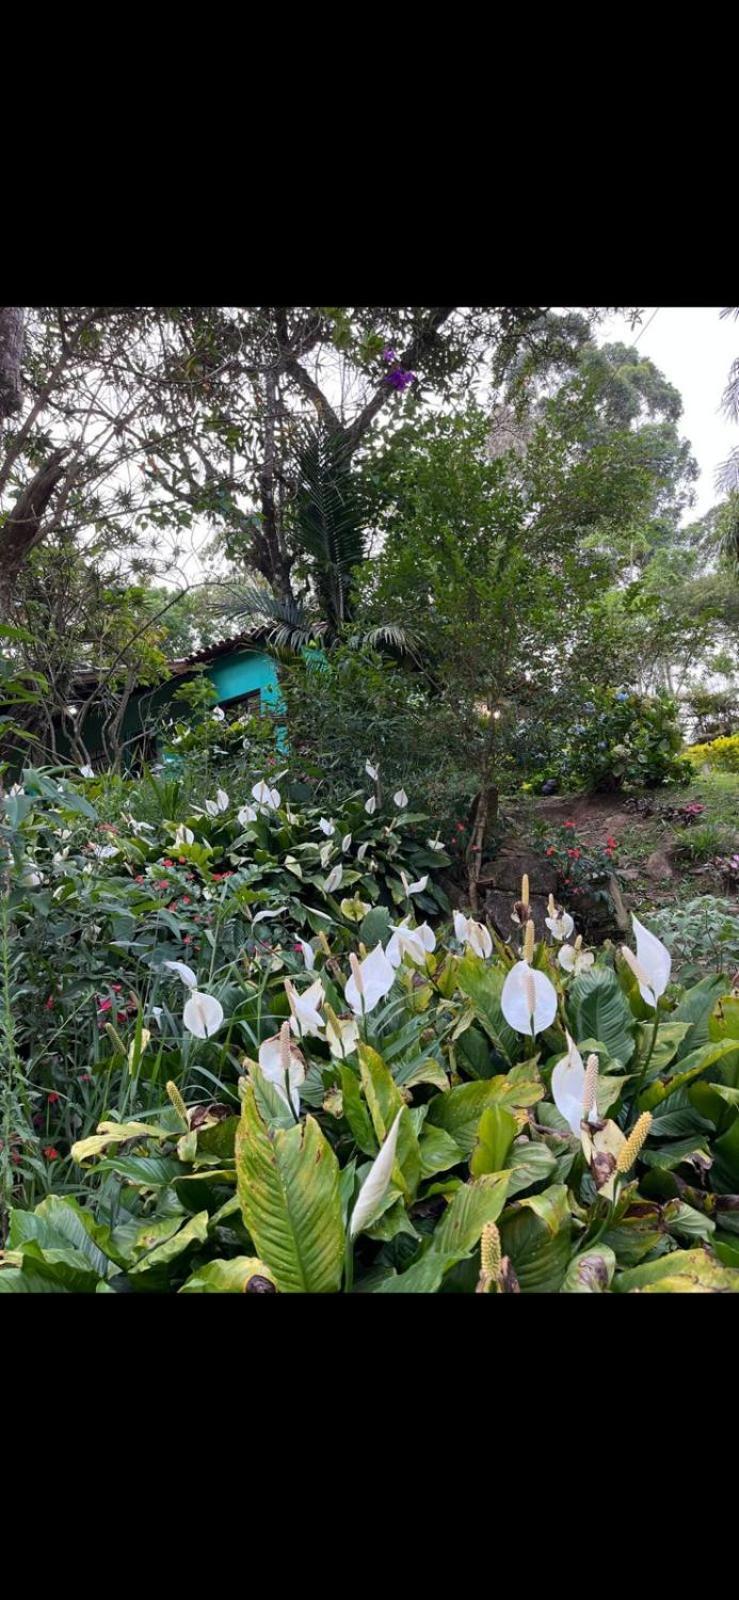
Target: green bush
(623, 740)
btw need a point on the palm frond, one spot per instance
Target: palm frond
(329, 513)
(727, 475)
(284, 623)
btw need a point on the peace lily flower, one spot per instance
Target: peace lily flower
(333, 880)
(435, 844)
(342, 1034)
(221, 803)
(245, 815)
(203, 1014)
(372, 772)
(265, 796)
(651, 965)
(305, 1008)
(573, 958)
(17, 788)
(559, 922)
(370, 805)
(326, 827)
(345, 843)
(414, 888)
(401, 799)
(474, 934)
(184, 835)
(362, 851)
(354, 910)
(376, 1183)
(184, 972)
(268, 914)
(309, 955)
(104, 852)
(31, 879)
(283, 1064)
(218, 715)
(325, 853)
(370, 981)
(413, 942)
(574, 1086)
(87, 771)
(528, 1000)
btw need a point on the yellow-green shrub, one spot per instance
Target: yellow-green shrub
(722, 754)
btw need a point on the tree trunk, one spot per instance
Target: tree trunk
(23, 528)
(11, 351)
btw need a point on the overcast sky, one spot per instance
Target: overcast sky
(694, 348)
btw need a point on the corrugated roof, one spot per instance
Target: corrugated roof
(88, 677)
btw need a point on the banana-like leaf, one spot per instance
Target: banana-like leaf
(288, 1185)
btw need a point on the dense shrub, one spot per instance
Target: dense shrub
(722, 755)
(622, 740)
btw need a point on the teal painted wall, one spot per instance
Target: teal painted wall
(242, 674)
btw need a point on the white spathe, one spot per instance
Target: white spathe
(371, 771)
(275, 1056)
(326, 827)
(184, 972)
(651, 965)
(573, 960)
(560, 927)
(414, 888)
(370, 805)
(362, 851)
(309, 955)
(268, 914)
(401, 799)
(346, 841)
(305, 1008)
(474, 934)
(568, 1086)
(528, 1000)
(370, 981)
(246, 814)
(87, 771)
(184, 835)
(342, 1041)
(413, 942)
(333, 880)
(265, 796)
(376, 1183)
(203, 1014)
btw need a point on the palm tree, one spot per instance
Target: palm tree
(330, 511)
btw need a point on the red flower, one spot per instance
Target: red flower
(550, 850)
(104, 1005)
(460, 827)
(116, 987)
(187, 939)
(85, 1077)
(163, 883)
(167, 862)
(49, 1004)
(15, 1157)
(185, 901)
(611, 844)
(139, 878)
(50, 1152)
(569, 824)
(52, 1097)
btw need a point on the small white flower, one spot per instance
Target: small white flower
(283, 1065)
(343, 1042)
(401, 799)
(559, 923)
(222, 800)
(184, 835)
(246, 814)
(87, 771)
(268, 915)
(104, 852)
(305, 1008)
(370, 805)
(474, 934)
(572, 957)
(528, 1000)
(265, 796)
(345, 843)
(376, 1183)
(309, 955)
(568, 1086)
(372, 772)
(413, 942)
(218, 715)
(203, 1014)
(435, 844)
(370, 981)
(326, 827)
(17, 788)
(211, 808)
(32, 879)
(333, 880)
(157, 1013)
(414, 888)
(184, 972)
(651, 965)
(362, 851)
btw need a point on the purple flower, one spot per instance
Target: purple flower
(399, 379)
(389, 355)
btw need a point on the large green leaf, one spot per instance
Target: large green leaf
(475, 1204)
(460, 1110)
(598, 1009)
(536, 1235)
(496, 1132)
(530, 1162)
(591, 1272)
(483, 985)
(288, 1185)
(696, 1007)
(680, 1272)
(226, 1277)
(690, 1067)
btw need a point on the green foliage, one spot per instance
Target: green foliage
(623, 740)
(721, 755)
(702, 932)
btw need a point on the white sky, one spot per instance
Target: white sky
(694, 348)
